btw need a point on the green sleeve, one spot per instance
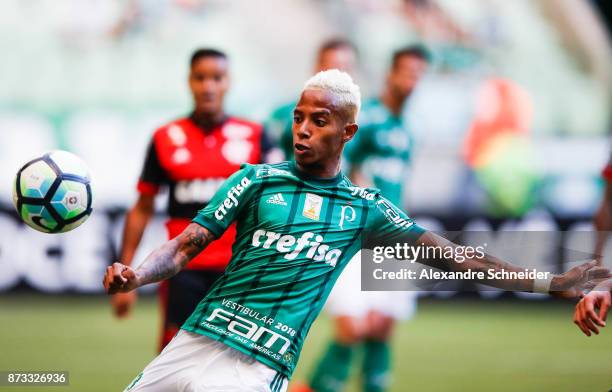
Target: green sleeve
(279, 127)
(225, 206)
(392, 225)
(286, 140)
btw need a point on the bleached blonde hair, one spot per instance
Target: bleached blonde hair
(341, 86)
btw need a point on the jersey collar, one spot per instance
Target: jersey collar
(315, 180)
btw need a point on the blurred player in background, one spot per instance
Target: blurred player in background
(602, 220)
(592, 310)
(378, 157)
(192, 157)
(336, 53)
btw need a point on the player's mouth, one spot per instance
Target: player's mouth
(207, 98)
(301, 148)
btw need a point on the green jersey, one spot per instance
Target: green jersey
(279, 127)
(295, 234)
(381, 148)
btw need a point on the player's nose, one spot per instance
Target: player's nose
(208, 85)
(303, 130)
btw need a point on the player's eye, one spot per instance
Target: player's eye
(320, 123)
(297, 118)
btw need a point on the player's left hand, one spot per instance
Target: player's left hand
(585, 316)
(574, 282)
(119, 278)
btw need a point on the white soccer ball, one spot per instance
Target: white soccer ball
(53, 193)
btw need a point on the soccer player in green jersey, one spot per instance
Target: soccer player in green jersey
(378, 157)
(381, 151)
(298, 224)
(336, 53)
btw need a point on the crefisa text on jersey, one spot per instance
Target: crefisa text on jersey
(291, 246)
(232, 198)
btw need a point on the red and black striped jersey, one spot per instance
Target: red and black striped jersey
(193, 161)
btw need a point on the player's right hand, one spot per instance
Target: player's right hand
(122, 303)
(119, 278)
(585, 316)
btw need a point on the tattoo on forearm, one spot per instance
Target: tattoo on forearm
(159, 265)
(199, 239)
(482, 265)
(168, 260)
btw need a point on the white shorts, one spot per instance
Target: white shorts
(347, 299)
(194, 363)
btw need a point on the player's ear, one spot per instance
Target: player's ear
(350, 130)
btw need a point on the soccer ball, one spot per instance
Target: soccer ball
(52, 193)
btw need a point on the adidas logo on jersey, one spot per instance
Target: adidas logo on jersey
(277, 199)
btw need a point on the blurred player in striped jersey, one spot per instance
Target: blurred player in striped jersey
(293, 241)
(192, 157)
(378, 157)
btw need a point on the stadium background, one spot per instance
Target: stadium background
(511, 128)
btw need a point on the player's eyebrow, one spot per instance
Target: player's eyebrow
(321, 112)
(316, 112)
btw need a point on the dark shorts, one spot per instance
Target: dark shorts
(179, 297)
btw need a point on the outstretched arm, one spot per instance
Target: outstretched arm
(569, 284)
(163, 263)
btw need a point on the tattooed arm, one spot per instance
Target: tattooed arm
(163, 263)
(569, 284)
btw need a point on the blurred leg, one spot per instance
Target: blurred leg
(334, 367)
(179, 296)
(377, 352)
(347, 305)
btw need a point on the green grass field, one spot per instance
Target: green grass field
(449, 346)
